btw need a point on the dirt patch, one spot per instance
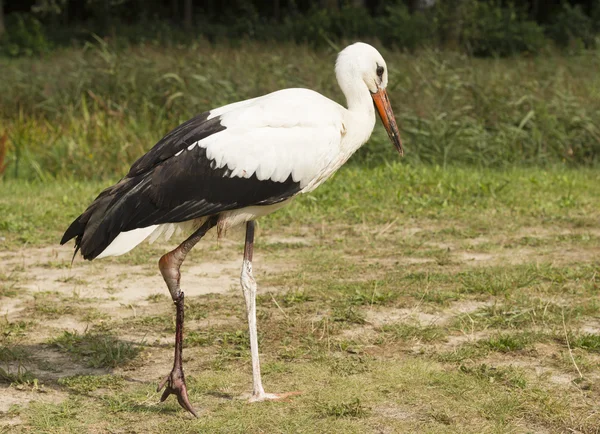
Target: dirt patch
(381, 317)
(416, 315)
(454, 341)
(11, 395)
(118, 289)
(113, 286)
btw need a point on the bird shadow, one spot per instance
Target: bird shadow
(222, 395)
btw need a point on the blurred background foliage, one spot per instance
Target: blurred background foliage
(477, 27)
(87, 89)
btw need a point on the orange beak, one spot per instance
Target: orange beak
(384, 108)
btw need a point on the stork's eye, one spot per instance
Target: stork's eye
(380, 71)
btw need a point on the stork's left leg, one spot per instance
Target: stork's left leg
(169, 266)
(249, 289)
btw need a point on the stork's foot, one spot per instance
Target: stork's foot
(259, 397)
(175, 384)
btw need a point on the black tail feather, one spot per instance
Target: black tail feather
(88, 239)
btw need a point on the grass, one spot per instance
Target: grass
(588, 341)
(96, 350)
(400, 296)
(352, 408)
(362, 316)
(90, 383)
(383, 195)
(88, 113)
(405, 332)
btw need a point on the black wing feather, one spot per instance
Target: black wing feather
(161, 188)
(197, 128)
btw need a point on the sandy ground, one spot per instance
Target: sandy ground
(112, 287)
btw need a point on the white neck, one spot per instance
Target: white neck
(358, 97)
(358, 124)
(360, 117)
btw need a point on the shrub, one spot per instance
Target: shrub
(318, 26)
(399, 28)
(493, 30)
(572, 28)
(24, 36)
(353, 22)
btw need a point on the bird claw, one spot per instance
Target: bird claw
(175, 384)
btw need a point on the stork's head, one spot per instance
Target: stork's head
(360, 64)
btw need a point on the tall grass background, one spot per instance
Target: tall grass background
(89, 112)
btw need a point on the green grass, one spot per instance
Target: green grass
(506, 343)
(96, 350)
(88, 114)
(90, 383)
(588, 341)
(407, 332)
(392, 194)
(362, 318)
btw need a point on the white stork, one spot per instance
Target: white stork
(230, 166)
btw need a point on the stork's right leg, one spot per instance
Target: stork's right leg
(249, 289)
(169, 266)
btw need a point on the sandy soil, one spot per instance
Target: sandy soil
(112, 287)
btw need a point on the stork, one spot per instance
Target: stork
(229, 166)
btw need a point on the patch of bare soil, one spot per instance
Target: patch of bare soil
(118, 289)
(117, 286)
(536, 362)
(15, 395)
(416, 315)
(544, 231)
(379, 317)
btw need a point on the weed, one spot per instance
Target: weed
(587, 341)
(295, 297)
(9, 353)
(348, 314)
(352, 365)
(464, 353)
(508, 376)
(198, 338)
(95, 349)
(353, 408)
(89, 383)
(496, 281)
(374, 297)
(22, 376)
(8, 290)
(11, 330)
(506, 343)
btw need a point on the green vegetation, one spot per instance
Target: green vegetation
(90, 383)
(88, 114)
(455, 290)
(478, 27)
(362, 317)
(97, 350)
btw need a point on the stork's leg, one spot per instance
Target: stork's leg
(249, 289)
(169, 266)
